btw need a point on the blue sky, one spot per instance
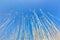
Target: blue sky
(52, 6)
(47, 5)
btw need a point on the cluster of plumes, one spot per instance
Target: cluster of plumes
(32, 28)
